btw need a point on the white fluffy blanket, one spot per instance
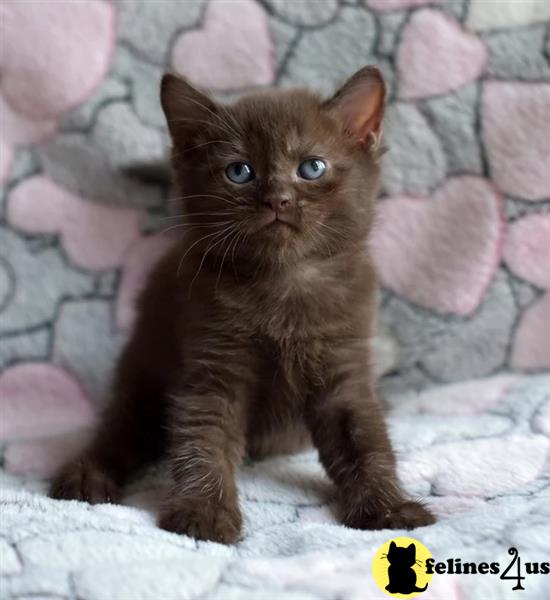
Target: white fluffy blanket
(476, 452)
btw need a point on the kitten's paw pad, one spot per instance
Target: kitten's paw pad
(216, 522)
(407, 515)
(83, 480)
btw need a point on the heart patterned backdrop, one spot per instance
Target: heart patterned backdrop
(463, 236)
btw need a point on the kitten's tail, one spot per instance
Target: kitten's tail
(417, 589)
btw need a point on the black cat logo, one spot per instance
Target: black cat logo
(400, 571)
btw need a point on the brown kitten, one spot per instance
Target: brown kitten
(253, 332)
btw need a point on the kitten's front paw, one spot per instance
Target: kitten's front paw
(83, 480)
(406, 515)
(202, 520)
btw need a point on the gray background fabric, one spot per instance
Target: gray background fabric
(316, 44)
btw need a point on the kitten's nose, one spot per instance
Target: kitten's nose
(278, 204)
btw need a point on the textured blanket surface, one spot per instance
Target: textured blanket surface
(462, 245)
(475, 451)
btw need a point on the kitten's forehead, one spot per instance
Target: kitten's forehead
(286, 118)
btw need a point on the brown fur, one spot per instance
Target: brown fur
(255, 338)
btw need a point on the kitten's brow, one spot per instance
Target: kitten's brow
(227, 126)
(218, 116)
(228, 131)
(177, 154)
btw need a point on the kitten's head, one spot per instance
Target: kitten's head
(404, 556)
(278, 175)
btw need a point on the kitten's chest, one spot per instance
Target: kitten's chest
(296, 318)
(296, 308)
(301, 312)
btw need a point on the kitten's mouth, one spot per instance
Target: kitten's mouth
(274, 222)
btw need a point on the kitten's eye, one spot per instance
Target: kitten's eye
(240, 172)
(312, 168)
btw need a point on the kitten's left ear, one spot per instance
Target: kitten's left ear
(359, 104)
(186, 109)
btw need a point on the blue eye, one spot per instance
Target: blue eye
(312, 168)
(240, 172)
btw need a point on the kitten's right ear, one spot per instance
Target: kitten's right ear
(359, 105)
(186, 109)
(393, 545)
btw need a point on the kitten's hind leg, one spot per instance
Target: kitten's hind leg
(130, 435)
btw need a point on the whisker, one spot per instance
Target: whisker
(194, 226)
(235, 242)
(189, 215)
(192, 246)
(228, 127)
(231, 239)
(192, 196)
(211, 245)
(219, 117)
(317, 237)
(223, 127)
(342, 234)
(338, 232)
(244, 235)
(203, 214)
(177, 154)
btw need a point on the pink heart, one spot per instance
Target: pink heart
(44, 456)
(138, 263)
(437, 56)
(54, 54)
(462, 398)
(38, 399)
(441, 252)
(234, 50)
(531, 347)
(16, 129)
(476, 468)
(527, 249)
(95, 236)
(516, 131)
